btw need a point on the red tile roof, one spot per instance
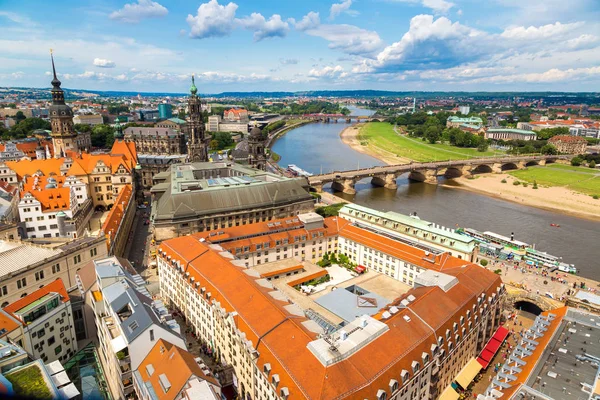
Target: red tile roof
(56, 286)
(567, 139)
(116, 214)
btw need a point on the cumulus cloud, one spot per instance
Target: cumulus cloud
(309, 21)
(585, 41)
(212, 20)
(104, 63)
(135, 12)
(349, 39)
(539, 32)
(328, 72)
(338, 8)
(551, 75)
(263, 28)
(431, 43)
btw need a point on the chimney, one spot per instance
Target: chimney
(512, 236)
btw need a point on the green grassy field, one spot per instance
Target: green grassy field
(382, 135)
(583, 180)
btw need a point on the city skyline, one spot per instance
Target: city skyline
(264, 46)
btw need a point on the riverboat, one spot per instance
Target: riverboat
(297, 171)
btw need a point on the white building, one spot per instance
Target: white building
(129, 323)
(217, 124)
(47, 319)
(54, 206)
(464, 110)
(88, 119)
(585, 130)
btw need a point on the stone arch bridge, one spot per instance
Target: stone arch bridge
(386, 175)
(542, 302)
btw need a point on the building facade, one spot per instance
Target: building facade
(569, 144)
(411, 349)
(510, 134)
(163, 141)
(456, 122)
(47, 320)
(217, 124)
(165, 111)
(129, 323)
(208, 196)
(29, 266)
(64, 137)
(256, 149)
(88, 119)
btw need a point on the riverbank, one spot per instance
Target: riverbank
(283, 130)
(350, 137)
(556, 199)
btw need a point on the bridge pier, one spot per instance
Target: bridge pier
(427, 176)
(497, 168)
(318, 187)
(542, 162)
(346, 186)
(387, 181)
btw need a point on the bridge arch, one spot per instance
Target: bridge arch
(417, 176)
(528, 306)
(453, 172)
(509, 166)
(550, 160)
(482, 169)
(532, 163)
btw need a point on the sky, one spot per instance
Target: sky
(260, 45)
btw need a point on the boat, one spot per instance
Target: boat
(297, 171)
(569, 268)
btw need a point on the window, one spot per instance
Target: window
(58, 349)
(51, 340)
(77, 258)
(41, 333)
(21, 283)
(3, 291)
(55, 268)
(152, 335)
(93, 252)
(39, 275)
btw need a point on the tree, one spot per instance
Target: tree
(223, 139)
(546, 134)
(19, 116)
(103, 136)
(592, 164)
(82, 128)
(576, 161)
(27, 126)
(214, 144)
(528, 149)
(181, 114)
(483, 146)
(549, 149)
(432, 133)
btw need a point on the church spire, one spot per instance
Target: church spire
(193, 88)
(55, 81)
(58, 96)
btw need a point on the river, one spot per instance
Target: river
(317, 147)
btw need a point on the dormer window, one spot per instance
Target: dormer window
(405, 375)
(381, 395)
(267, 368)
(415, 366)
(285, 393)
(275, 380)
(425, 358)
(393, 385)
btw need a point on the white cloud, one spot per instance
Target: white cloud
(338, 8)
(541, 32)
(349, 39)
(431, 43)
(327, 71)
(104, 63)
(309, 21)
(135, 12)
(551, 75)
(17, 18)
(212, 20)
(585, 41)
(288, 61)
(273, 27)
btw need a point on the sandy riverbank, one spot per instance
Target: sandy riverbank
(350, 137)
(556, 199)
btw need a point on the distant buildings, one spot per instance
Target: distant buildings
(47, 318)
(589, 130)
(88, 119)
(456, 122)
(510, 134)
(569, 144)
(165, 111)
(233, 120)
(201, 197)
(464, 110)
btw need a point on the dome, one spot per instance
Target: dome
(256, 132)
(59, 110)
(193, 88)
(52, 180)
(51, 185)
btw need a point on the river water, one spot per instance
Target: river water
(317, 147)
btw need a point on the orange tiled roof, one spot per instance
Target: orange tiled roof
(567, 139)
(116, 214)
(283, 340)
(281, 271)
(174, 362)
(30, 167)
(56, 286)
(7, 323)
(7, 187)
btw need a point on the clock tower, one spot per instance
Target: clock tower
(64, 137)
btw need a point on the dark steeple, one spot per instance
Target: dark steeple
(58, 96)
(197, 140)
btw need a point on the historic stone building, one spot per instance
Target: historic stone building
(154, 140)
(197, 197)
(569, 144)
(256, 149)
(197, 140)
(64, 137)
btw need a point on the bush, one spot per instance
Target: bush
(576, 161)
(483, 263)
(595, 197)
(498, 271)
(503, 181)
(525, 184)
(516, 183)
(535, 185)
(329, 211)
(592, 164)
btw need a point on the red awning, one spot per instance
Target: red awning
(492, 346)
(360, 269)
(501, 334)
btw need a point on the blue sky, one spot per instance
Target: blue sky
(145, 45)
